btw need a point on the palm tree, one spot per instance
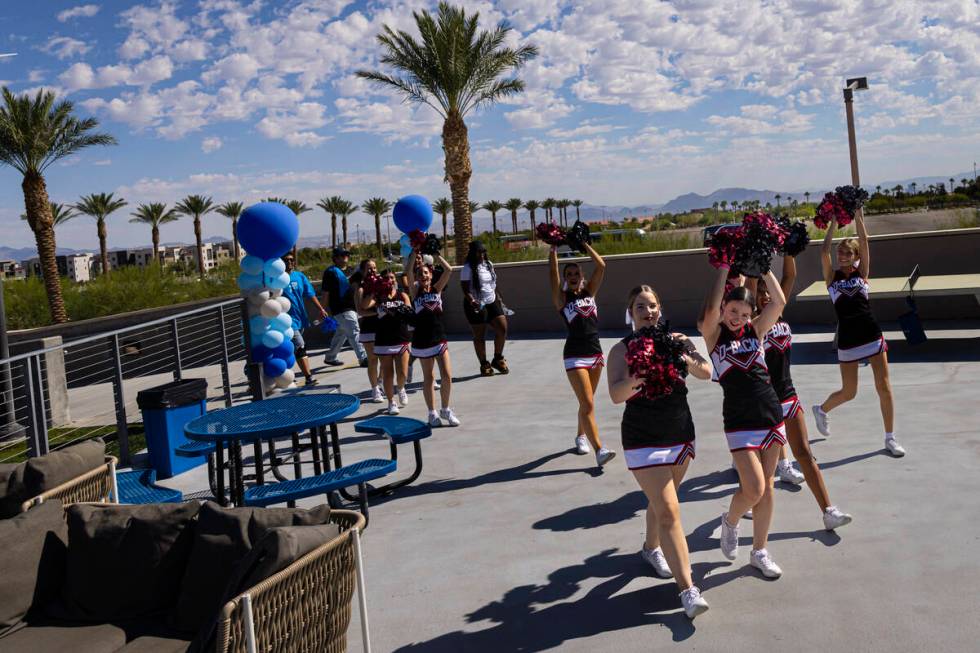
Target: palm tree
(345, 208)
(473, 206)
(99, 207)
(60, 213)
(577, 204)
(513, 205)
(878, 189)
(377, 206)
(714, 205)
(455, 68)
(912, 187)
(532, 206)
(329, 204)
(443, 207)
(232, 210)
(493, 206)
(547, 205)
(806, 196)
(196, 206)
(563, 205)
(155, 214)
(778, 197)
(724, 205)
(951, 182)
(34, 133)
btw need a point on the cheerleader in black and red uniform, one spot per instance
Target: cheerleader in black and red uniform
(367, 321)
(391, 339)
(858, 335)
(778, 346)
(429, 343)
(751, 410)
(575, 300)
(658, 445)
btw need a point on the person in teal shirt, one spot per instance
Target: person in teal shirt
(297, 292)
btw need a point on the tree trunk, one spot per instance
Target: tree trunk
(42, 223)
(343, 224)
(155, 237)
(445, 234)
(103, 248)
(534, 234)
(200, 247)
(234, 239)
(377, 234)
(333, 230)
(455, 143)
(513, 220)
(494, 216)
(577, 217)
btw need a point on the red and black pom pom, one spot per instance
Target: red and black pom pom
(761, 238)
(796, 238)
(551, 233)
(840, 206)
(655, 356)
(377, 285)
(723, 245)
(578, 236)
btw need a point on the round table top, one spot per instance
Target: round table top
(272, 417)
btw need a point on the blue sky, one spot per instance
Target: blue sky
(630, 102)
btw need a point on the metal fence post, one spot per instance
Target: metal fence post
(37, 445)
(225, 376)
(122, 425)
(252, 370)
(176, 341)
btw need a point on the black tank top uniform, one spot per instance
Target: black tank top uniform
(581, 316)
(858, 333)
(658, 431)
(779, 345)
(751, 410)
(429, 330)
(393, 321)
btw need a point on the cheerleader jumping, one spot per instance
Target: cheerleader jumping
(751, 410)
(429, 343)
(778, 346)
(658, 444)
(574, 298)
(391, 340)
(858, 335)
(368, 323)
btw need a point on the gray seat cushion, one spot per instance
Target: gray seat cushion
(156, 644)
(11, 489)
(88, 638)
(32, 560)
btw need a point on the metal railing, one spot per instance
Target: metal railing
(56, 396)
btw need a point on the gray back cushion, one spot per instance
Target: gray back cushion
(26, 480)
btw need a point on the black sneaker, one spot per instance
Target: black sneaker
(311, 380)
(333, 363)
(364, 363)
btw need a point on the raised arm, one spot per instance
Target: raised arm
(410, 273)
(557, 297)
(864, 267)
(367, 302)
(770, 314)
(712, 309)
(622, 386)
(598, 272)
(826, 262)
(789, 276)
(447, 271)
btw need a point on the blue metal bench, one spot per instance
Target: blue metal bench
(398, 430)
(357, 474)
(195, 448)
(139, 486)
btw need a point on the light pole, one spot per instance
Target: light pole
(388, 227)
(855, 84)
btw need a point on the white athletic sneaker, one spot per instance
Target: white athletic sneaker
(748, 514)
(581, 445)
(436, 385)
(729, 538)
(694, 604)
(377, 396)
(760, 560)
(655, 558)
(894, 448)
(393, 408)
(834, 518)
(402, 396)
(450, 417)
(822, 419)
(603, 456)
(786, 473)
(434, 418)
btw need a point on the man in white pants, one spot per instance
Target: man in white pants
(338, 296)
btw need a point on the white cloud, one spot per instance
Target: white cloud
(65, 47)
(210, 144)
(81, 11)
(146, 73)
(295, 128)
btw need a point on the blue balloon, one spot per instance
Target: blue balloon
(288, 334)
(274, 267)
(412, 212)
(261, 353)
(283, 351)
(257, 340)
(268, 229)
(281, 322)
(278, 282)
(248, 281)
(251, 265)
(274, 367)
(258, 324)
(272, 339)
(290, 361)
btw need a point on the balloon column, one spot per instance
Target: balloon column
(412, 212)
(266, 231)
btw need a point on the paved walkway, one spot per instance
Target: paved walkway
(511, 542)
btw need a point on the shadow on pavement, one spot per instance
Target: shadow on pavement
(938, 350)
(597, 515)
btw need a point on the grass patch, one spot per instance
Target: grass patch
(65, 436)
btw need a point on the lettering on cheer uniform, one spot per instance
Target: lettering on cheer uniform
(581, 306)
(742, 353)
(780, 336)
(429, 301)
(850, 287)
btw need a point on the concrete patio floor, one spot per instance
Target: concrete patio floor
(511, 542)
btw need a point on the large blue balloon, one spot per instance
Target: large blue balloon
(283, 351)
(261, 353)
(268, 229)
(412, 212)
(274, 367)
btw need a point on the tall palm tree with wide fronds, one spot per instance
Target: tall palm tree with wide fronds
(473, 207)
(563, 205)
(577, 204)
(233, 211)
(345, 209)
(329, 204)
(196, 206)
(377, 206)
(444, 207)
(548, 204)
(60, 214)
(513, 205)
(155, 214)
(455, 68)
(493, 206)
(298, 208)
(34, 133)
(99, 207)
(532, 206)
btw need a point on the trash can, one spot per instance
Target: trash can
(166, 409)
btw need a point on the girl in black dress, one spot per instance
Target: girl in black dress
(367, 321)
(658, 444)
(391, 340)
(575, 299)
(858, 335)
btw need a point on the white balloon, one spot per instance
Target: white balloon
(252, 264)
(258, 296)
(273, 339)
(288, 334)
(271, 309)
(275, 292)
(285, 379)
(284, 303)
(274, 267)
(281, 322)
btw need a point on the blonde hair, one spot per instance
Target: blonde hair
(851, 244)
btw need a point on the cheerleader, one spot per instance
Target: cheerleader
(751, 410)
(858, 335)
(658, 444)
(391, 340)
(778, 346)
(429, 343)
(368, 323)
(574, 298)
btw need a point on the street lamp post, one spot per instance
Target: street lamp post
(855, 84)
(388, 227)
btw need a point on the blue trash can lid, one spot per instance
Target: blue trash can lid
(174, 394)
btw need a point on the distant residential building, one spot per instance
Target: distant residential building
(214, 254)
(143, 256)
(77, 267)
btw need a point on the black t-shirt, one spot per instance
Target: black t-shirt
(339, 299)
